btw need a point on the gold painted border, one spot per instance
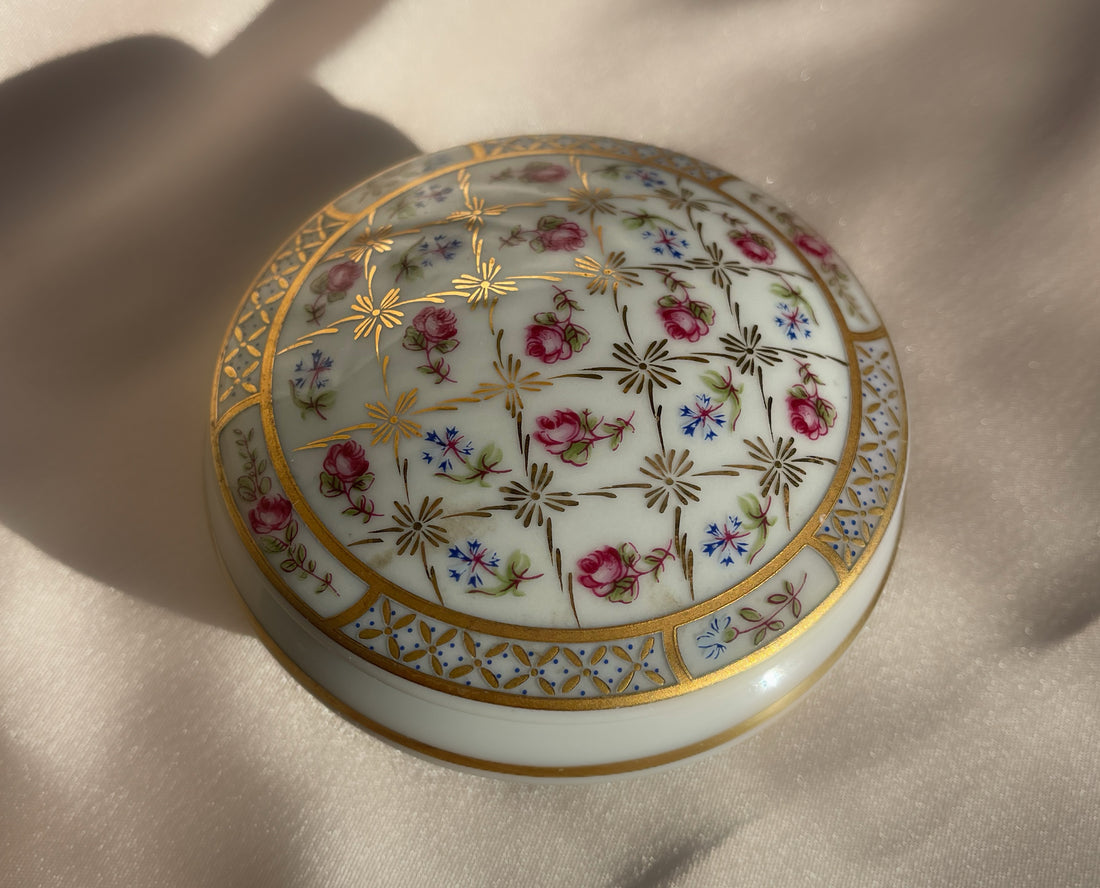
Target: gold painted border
(606, 769)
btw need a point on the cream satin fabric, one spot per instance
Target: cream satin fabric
(152, 155)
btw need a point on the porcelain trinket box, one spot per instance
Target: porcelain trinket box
(557, 456)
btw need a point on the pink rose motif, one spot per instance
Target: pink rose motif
(805, 418)
(680, 323)
(601, 570)
(270, 514)
(556, 433)
(342, 276)
(755, 248)
(437, 324)
(564, 237)
(539, 171)
(547, 342)
(346, 461)
(815, 246)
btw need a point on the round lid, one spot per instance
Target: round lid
(553, 424)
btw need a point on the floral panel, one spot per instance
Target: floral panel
(289, 550)
(758, 618)
(359, 199)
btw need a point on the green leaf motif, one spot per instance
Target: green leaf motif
(271, 545)
(549, 223)
(747, 613)
(413, 340)
(807, 375)
(562, 302)
(446, 345)
(577, 337)
(488, 458)
(702, 311)
(515, 572)
(750, 505)
(546, 318)
(826, 411)
(721, 386)
(518, 564)
(758, 636)
(288, 565)
(624, 591)
(668, 301)
(614, 432)
(336, 295)
(577, 453)
(758, 544)
(628, 553)
(331, 485)
(796, 608)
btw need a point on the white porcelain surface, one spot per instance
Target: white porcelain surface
(557, 456)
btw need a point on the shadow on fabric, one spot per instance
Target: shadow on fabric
(144, 187)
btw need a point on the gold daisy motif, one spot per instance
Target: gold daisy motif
(371, 241)
(513, 383)
(606, 275)
(476, 211)
(670, 480)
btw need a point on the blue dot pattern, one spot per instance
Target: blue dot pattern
(861, 506)
(512, 666)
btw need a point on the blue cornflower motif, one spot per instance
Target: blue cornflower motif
(442, 246)
(702, 417)
(667, 241)
(474, 563)
(713, 642)
(726, 540)
(793, 321)
(446, 448)
(648, 178)
(313, 374)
